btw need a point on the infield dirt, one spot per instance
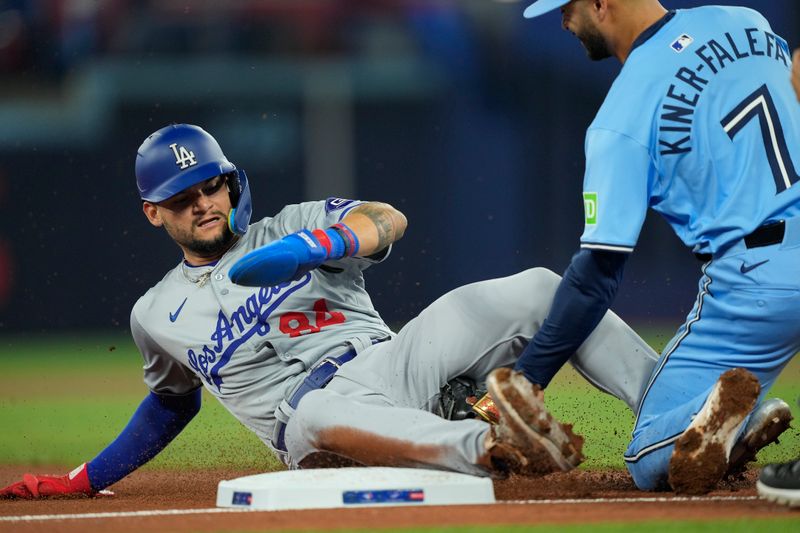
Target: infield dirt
(521, 501)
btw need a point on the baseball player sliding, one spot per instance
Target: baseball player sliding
(701, 126)
(273, 319)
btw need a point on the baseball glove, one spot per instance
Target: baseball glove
(463, 398)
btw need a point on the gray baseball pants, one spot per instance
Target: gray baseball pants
(377, 408)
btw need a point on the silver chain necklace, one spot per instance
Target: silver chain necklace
(200, 280)
(203, 278)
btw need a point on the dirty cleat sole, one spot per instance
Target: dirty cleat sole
(766, 424)
(544, 444)
(700, 457)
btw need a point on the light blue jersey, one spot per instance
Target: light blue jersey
(702, 126)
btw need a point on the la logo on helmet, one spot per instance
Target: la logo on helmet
(184, 158)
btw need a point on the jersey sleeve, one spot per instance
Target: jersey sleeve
(323, 214)
(616, 187)
(162, 373)
(338, 208)
(331, 211)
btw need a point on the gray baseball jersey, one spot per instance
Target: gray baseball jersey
(248, 346)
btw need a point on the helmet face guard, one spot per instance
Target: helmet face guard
(180, 156)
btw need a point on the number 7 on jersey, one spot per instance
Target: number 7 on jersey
(760, 104)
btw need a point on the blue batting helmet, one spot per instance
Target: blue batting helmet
(179, 156)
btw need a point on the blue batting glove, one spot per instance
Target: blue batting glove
(287, 259)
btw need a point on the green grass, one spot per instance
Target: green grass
(62, 400)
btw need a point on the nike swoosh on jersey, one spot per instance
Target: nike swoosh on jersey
(174, 316)
(745, 268)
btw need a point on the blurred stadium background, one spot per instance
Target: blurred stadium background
(461, 113)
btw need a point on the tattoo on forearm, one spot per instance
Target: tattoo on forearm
(382, 220)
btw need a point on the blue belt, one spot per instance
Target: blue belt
(318, 377)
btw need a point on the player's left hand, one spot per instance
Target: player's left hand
(284, 260)
(76, 483)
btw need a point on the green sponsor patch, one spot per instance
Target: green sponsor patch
(590, 207)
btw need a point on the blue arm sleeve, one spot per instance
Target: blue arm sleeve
(583, 297)
(157, 421)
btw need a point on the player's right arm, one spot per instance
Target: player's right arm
(616, 192)
(583, 297)
(365, 230)
(377, 226)
(157, 421)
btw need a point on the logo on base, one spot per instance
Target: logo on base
(370, 497)
(242, 498)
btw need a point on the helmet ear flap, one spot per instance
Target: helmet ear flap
(239, 190)
(234, 186)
